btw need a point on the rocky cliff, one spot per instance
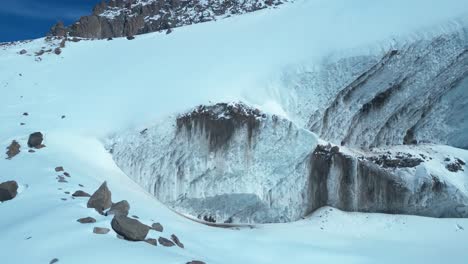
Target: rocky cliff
(120, 18)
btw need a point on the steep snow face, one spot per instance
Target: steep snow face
(232, 163)
(226, 162)
(413, 92)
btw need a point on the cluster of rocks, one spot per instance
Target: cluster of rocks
(122, 18)
(455, 166)
(401, 160)
(34, 142)
(126, 228)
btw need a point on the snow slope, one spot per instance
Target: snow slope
(104, 86)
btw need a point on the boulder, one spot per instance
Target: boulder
(58, 169)
(55, 260)
(196, 262)
(23, 51)
(81, 193)
(152, 241)
(101, 199)
(177, 241)
(86, 220)
(101, 230)
(120, 208)
(165, 242)
(130, 229)
(35, 140)
(158, 227)
(13, 149)
(8, 190)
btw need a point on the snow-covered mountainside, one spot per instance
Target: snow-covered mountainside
(241, 120)
(120, 18)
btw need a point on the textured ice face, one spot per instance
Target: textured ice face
(234, 165)
(230, 163)
(413, 92)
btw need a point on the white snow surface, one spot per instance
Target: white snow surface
(104, 86)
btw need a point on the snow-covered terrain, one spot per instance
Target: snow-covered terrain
(290, 63)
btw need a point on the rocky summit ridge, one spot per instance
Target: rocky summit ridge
(124, 18)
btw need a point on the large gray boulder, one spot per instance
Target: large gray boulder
(120, 208)
(8, 190)
(101, 199)
(35, 140)
(130, 229)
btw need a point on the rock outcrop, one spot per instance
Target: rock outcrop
(121, 18)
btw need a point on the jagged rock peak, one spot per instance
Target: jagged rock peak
(120, 18)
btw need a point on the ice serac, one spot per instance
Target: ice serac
(119, 18)
(223, 163)
(382, 184)
(233, 163)
(415, 91)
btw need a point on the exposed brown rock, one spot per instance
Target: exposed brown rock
(101, 230)
(130, 229)
(101, 199)
(86, 220)
(8, 190)
(152, 241)
(120, 208)
(165, 242)
(157, 226)
(13, 149)
(35, 140)
(177, 241)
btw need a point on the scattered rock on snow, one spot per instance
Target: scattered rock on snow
(57, 51)
(130, 37)
(13, 149)
(86, 220)
(177, 241)
(196, 262)
(8, 190)
(23, 51)
(101, 230)
(455, 166)
(101, 199)
(165, 242)
(135, 216)
(55, 260)
(35, 140)
(157, 226)
(152, 241)
(58, 169)
(66, 174)
(120, 208)
(130, 229)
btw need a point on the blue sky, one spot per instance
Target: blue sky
(27, 19)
